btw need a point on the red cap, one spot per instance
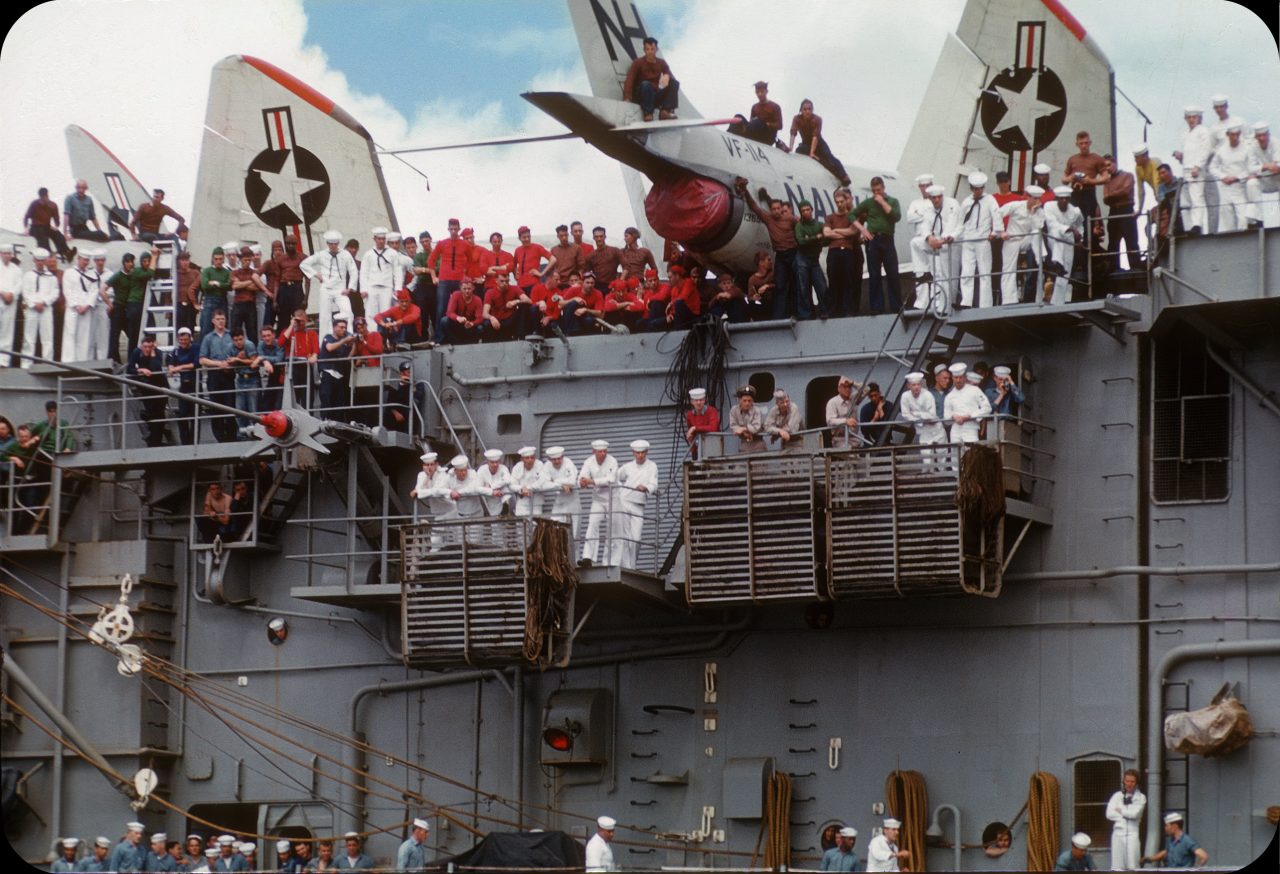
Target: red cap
(618, 285)
(402, 294)
(676, 270)
(468, 232)
(523, 229)
(633, 283)
(454, 222)
(651, 274)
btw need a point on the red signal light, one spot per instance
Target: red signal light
(560, 739)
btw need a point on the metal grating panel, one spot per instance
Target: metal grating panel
(751, 523)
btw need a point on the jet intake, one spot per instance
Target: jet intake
(692, 210)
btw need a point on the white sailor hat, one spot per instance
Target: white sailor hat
(255, 248)
(493, 455)
(226, 840)
(1062, 191)
(282, 846)
(1172, 817)
(70, 842)
(332, 237)
(607, 823)
(977, 179)
(915, 376)
(935, 191)
(428, 457)
(102, 842)
(1191, 109)
(848, 832)
(39, 252)
(1081, 840)
(6, 247)
(231, 247)
(422, 824)
(182, 331)
(160, 837)
(1041, 169)
(350, 835)
(1219, 100)
(1140, 150)
(1261, 127)
(528, 451)
(194, 836)
(1234, 124)
(247, 847)
(379, 231)
(697, 394)
(555, 451)
(924, 179)
(938, 368)
(393, 236)
(135, 827)
(597, 445)
(211, 853)
(890, 822)
(460, 461)
(1001, 370)
(639, 445)
(98, 253)
(958, 369)
(1035, 191)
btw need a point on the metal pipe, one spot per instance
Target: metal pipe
(60, 702)
(88, 750)
(517, 743)
(564, 374)
(1155, 740)
(1243, 378)
(936, 828)
(1137, 570)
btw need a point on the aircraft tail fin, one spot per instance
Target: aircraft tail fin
(280, 158)
(611, 35)
(111, 184)
(1013, 85)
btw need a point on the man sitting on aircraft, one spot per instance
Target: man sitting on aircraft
(809, 126)
(78, 212)
(766, 118)
(41, 222)
(148, 218)
(650, 83)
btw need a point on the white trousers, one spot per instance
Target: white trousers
(597, 523)
(378, 300)
(1262, 206)
(7, 316)
(99, 333)
(1009, 277)
(628, 523)
(975, 257)
(334, 304)
(37, 324)
(77, 332)
(939, 293)
(1124, 847)
(1232, 207)
(1064, 252)
(1195, 214)
(565, 509)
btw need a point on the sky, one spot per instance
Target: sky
(441, 71)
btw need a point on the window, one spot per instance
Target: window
(1094, 781)
(1191, 422)
(763, 384)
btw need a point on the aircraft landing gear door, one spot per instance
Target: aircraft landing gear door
(292, 820)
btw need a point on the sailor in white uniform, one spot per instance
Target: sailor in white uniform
(965, 406)
(404, 264)
(464, 489)
(100, 333)
(918, 407)
(432, 490)
(933, 246)
(1263, 187)
(1064, 226)
(39, 294)
(10, 299)
(599, 853)
(378, 269)
(1197, 148)
(977, 225)
(562, 481)
(82, 293)
(637, 480)
(1023, 232)
(600, 474)
(917, 211)
(67, 860)
(1125, 812)
(528, 483)
(494, 480)
(335, 273)
(1230, 167)
(883, 853)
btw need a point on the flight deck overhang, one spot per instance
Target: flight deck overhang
(1016, 324)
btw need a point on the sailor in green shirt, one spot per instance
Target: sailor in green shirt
(809, 243)
(215, 281)
(130, 284)
(879, 213)
(54, 433)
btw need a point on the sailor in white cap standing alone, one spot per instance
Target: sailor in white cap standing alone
(883, 853)
(39, 294)
(129, 854)
(562, 480)
(599, 853)
(1197, 148)
(977, 227)
(412, 855)
(335, 274)
(637, 480)
(964, 407)
(600, 474)
(528, 483)
(1064, 226)
(1077, 858)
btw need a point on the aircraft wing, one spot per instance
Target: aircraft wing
(280, 158)
(112, 184)
(1010, 90)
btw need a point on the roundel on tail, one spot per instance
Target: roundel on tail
(1023, 109)
(287, 187)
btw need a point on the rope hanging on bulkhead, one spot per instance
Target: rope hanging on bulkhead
(1042, 822)
(552, 579)
(908, 801)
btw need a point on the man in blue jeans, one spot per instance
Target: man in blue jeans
(878, 214)
(650, 83)
(809, 243)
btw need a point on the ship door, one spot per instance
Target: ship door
(816, 395)
(293, 821)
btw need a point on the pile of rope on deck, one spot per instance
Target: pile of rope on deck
(980, 490)
(552, 578)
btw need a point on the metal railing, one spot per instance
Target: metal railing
(27, 495)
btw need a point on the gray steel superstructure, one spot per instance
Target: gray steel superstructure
(1143, 573)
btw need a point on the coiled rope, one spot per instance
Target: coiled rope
(908, 801)
(777, 850)
(1042, 822)
(551, 583)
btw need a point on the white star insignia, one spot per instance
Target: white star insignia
(287, 187)
(1022, 108)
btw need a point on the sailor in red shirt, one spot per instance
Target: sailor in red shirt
(507, 310)
(449, 261)
(604, 259)
(702, 418)
(369, 346)
(546, 297)
(622, 306)
(656, 296)
(634, 258)
(575, 229)
(475, 257)
(463, 321)
(400, 319)
(527, 261)
(566, 256)
(302, 347)
(286, 267)
(686, 301)
(495, 261)
(582, 305)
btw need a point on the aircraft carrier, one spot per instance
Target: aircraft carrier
(806, 638)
